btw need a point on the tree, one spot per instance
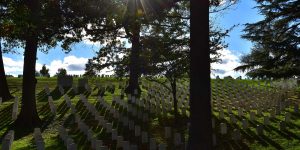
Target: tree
(61, 72)
(4, 91)
(276, 52)
(44, 71)
(166, 51)
(34, 24)
(126, 21)
(200, 131)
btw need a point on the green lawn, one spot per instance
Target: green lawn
(273, 139)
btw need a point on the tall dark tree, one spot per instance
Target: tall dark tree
(276, 52)
(200, 131)
(4, 90)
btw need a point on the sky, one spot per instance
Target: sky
(74, 62)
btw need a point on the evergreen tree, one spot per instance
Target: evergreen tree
(276, 53)
(44, 71)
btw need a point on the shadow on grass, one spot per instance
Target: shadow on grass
(42, 96)
(56, 94)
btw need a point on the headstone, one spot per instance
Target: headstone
(236, 135)
(152, 144)
(15, 109)
(221, 114)
(223, 128)
(240, 112)
(259, 130)
(245, 124)
(98, 144)
(125, 145)
(282, 126)
(177, 139)
(114, 134)
(144, 137)
(162, 146)
(137, 130)
(287, 117)
(103, 148)
(7, 141)
(167, 132)
(65, 81)
(252, 116)
(133, 147)
(232, 119)
(108, 127)
(213, 122)
(119, 141)
(296, 108)
(266, 120)
(131, 125)
(82, 82)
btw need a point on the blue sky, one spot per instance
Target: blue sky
(74, 61)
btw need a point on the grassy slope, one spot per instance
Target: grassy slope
(50, 129)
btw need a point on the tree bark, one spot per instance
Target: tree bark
(200, 131)
(28, 116)
(4, 91)
(134, 66)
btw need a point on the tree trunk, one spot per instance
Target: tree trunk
(28, 116)
(4, 91)
(174, 93)
(200, 131)
(134, 66)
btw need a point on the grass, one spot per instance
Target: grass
(273, 139)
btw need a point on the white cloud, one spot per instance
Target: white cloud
(225, 68)
(15, 67)
(73, 65)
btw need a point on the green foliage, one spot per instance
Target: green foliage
(44, 71)
(61, 72)
(276, 53)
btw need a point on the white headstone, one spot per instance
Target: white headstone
(137, 130)
(223, 128)
(144, 137)
(167, 132)
(152, 144)
(259, 130)
(162, 146)
(125, 145)
(177, 139)
(266, 120)
(236, 135)
(245, 124)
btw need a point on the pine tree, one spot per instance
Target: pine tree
(276, 53)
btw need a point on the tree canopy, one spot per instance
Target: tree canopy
(276, 52)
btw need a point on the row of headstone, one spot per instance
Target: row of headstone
(39, 141)
(125, 121)
(68, 141)
(8, 140)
